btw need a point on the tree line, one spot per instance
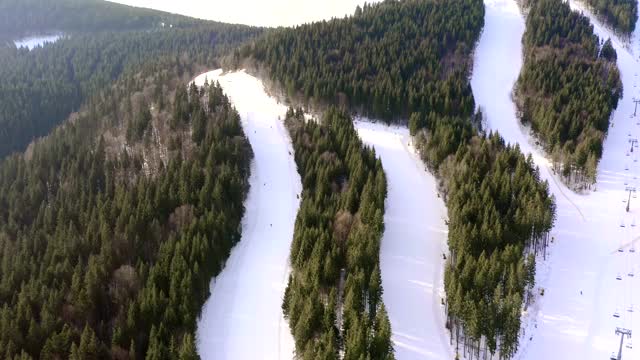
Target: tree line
(387, 60)
(500, 214)
(34, 17)
(568, 87)
(333, 299)
(112, 227)
(621, 14)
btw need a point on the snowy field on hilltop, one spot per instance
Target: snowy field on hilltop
(414, 240)
(583, 300)
(35, 41)
(271, 13)
(243, 317)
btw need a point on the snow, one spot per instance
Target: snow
(35, 41)
(243, 317)
(584, 256)
(271, 13)
(414, 240)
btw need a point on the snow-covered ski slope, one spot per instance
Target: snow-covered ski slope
(243, 317)
(583, 302)
(413, 243)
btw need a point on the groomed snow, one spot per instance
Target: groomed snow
(414, 240)
(243, 317)
(575, 317)
(255, 12)
(35, 41)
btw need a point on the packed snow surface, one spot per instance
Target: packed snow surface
(413, 244)
(35, 41)
(590, 278)
(255, 12)
(243, 317)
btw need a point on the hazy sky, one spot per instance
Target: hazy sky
(254, 12)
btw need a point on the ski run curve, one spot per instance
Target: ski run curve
(243, 317)
(583, 300)
(413, 243)
(582, 293)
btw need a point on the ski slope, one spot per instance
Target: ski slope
(35, 41)
(243, 317)
(575, 317)
(413, 242)
(271, 13)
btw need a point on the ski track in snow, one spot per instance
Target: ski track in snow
(412, 245)
(243, 317)
(584, 256)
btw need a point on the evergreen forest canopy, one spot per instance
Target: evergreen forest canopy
(34, 17)
(334, 296)
(621, 14)
(568, 87)
(414, 58)
(387, 60)
(40, 88)
(107, 250)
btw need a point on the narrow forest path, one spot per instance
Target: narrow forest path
(414, 240)
(575, 317)
(243, 317)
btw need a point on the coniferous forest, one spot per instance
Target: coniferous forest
(568, 87)
(388, 60)
(621, 14)
(113, 226)
(40, 88)
(333, 298)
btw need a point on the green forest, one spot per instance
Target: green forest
(622, 15)
(107, 250)
(568, 87)
(40, 88)
(387, 60)
(334, 296)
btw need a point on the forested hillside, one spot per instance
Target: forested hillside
(112, 227)
(412, 59)
(621, 14)
(388, 60)
(568, 87)
(40, 88)
(34, 17)
(334, 296)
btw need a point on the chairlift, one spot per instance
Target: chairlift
(622, 223)
(630, 309)
(630, 274)
(613, 356)
(616, 314)
(626, 167)
(633, 222)
(632, 250)
(618, 277)
(629, 346)
(620, 249)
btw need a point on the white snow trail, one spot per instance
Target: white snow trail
(574, 319)
(243, 317)
(414, 240)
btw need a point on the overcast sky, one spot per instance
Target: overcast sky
(254, 12)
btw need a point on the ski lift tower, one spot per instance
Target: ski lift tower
(630, 189)
(622, 332)
(636, 101)
(633, 142)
